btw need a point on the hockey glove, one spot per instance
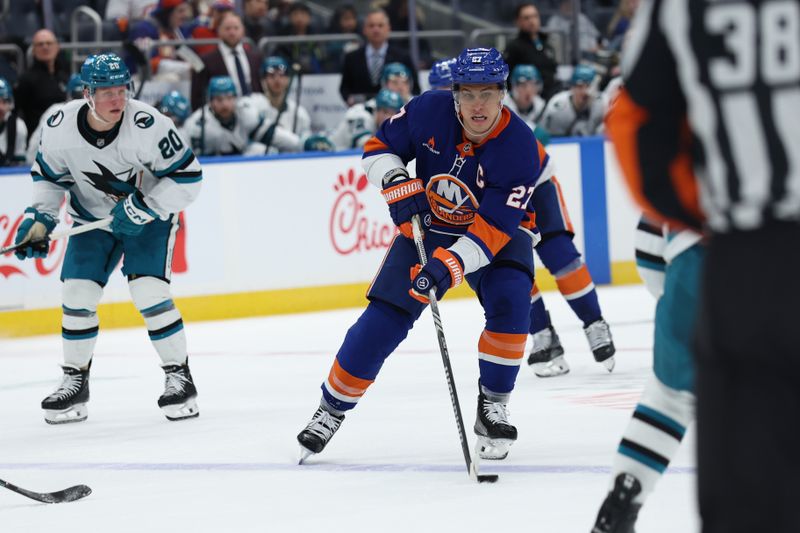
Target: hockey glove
(35, 227)
(130, 215)
(444, 270)
(406, 198)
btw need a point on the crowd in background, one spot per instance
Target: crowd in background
(237, 102)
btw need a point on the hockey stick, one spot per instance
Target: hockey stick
(472, 468)
(298, 72)
(61, 496)
(77, 230)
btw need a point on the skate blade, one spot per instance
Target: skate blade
(181, 411)
(555, 367)
(609, 363)
(77, 413)
(305, 453)
(492, 449)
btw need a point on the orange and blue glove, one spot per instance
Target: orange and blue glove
(406, 198)
(444, 270)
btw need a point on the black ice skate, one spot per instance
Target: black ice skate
(599, 336)
(618, 512)
(179, 400)
(547, 355)
(68, 402)
(495, 433)
(318, 432)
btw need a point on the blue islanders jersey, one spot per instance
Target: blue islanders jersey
(480, 191)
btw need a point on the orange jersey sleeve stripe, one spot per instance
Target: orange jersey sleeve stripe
(375, 144)
(504, 345)
(575, 282)
(563, 205)
(535, 292)
(492, 238)
(682, 172)
(344, 382)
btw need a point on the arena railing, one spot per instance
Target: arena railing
(17, 51)
(557, 39)
(92, 15)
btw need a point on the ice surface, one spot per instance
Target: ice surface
(395, 465)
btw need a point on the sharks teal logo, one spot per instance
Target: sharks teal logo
(55, 119)
(143, 119)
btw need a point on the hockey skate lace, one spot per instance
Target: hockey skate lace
(597, 333)
(496, 412)
(174, 383)
(325, 425)
(70, 384)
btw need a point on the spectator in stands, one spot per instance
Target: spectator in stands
(308, 54)
(74, 91)
(398, 18)
(588, 34)
(164, 24)
(230, 58)
(531, 47)
(13, 133)
(344, 20)
(362, 120)
(620, 22)
(43, 84)
(361, 72)
(206, 27)
(256, 23)
(129, 9)
(579, 110)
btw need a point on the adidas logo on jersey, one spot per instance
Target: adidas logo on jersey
(431, 146)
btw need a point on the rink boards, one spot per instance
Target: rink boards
(294, 233)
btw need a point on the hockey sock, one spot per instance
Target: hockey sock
(504, 295)
(164, 324)
(653, 435)
(540, 319)
(375, 335)
(79, 323)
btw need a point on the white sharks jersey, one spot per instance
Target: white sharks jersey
(285, 138)
(15, 155)
(36, 136)
(531, 117)
(560, 117)
(212, 138)
(142, 152)
(356, 128)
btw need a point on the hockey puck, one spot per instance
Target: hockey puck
(488, 478)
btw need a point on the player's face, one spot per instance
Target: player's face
(109, 102)
(524, 92)
(479, 106)
(580, 95)
(223, 106)
(5, 108)
(401, 85)
(383, 114)
(276, 82)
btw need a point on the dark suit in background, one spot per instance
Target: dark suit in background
(355, 72)
(215, 66)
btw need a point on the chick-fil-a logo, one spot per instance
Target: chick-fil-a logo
(351, 229)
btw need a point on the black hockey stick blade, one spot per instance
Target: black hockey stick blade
(15, 247)
(70, 494)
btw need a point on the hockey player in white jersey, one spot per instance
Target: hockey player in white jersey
(397, 77)
(226, 125)
(117, 158)
(361, 121)
(286, 125)
(13, 133)
(175, 106)
(74, 91)
(578, 111)
(524, 99)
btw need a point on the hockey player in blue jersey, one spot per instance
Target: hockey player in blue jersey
(476, 169)
(117, 158)
(441, 75)
(670, 263)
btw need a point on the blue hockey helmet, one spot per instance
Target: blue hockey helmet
(394, 69)
(387, 99)
(479, 66)
(74, 88)
(175, 104)
(220, 86)
(582, 74)
(5, 91)
(274, 64)
(105, 70)
(441, 74)
(523, 73)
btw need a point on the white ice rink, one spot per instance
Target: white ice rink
(394, 466)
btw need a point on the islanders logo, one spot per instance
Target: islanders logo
(451, 200)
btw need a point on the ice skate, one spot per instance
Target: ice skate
(547, 355)
(618, 512)
(318, 432)
(68, 402)
(495, 433)
(599, 336)
(179, 400)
